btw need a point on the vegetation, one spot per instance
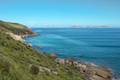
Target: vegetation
(15, 28)
(19, 61)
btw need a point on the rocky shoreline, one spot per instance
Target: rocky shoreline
(88, 70)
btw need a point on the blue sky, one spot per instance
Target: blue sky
(61, 12)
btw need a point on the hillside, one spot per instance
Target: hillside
(19, 61)
(15, 28)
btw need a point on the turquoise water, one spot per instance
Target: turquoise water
(97, 45)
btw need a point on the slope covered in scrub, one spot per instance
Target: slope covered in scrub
(19, 61)
(15, 28)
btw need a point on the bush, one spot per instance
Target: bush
(34, 69)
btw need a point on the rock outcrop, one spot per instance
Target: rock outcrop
(88, 70)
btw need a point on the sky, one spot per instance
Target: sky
(61, 12)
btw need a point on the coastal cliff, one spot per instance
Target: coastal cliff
(16, 28)
(19, 61)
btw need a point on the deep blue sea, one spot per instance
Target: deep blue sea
(97, 45)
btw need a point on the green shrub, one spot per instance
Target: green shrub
(34, 69)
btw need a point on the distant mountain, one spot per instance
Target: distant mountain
(77, 26)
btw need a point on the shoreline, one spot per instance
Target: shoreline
(114, 76)
(89, 70)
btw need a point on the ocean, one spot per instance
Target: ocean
(96, 45)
